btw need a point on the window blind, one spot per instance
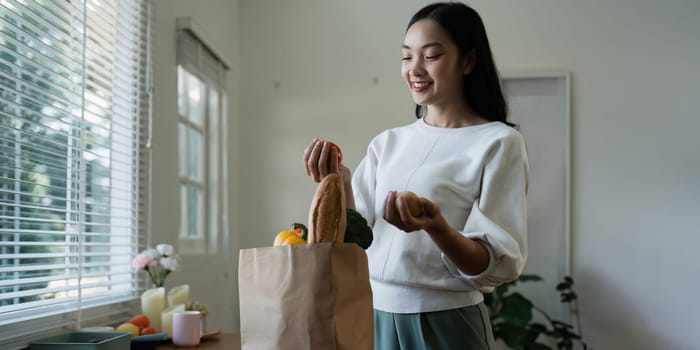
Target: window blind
(196, 56)
(74, 122)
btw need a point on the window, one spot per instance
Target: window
(192, 134)
(74, 109)
(201, 140)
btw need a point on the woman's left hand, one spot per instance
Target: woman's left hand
(469, 255)
(397, 213)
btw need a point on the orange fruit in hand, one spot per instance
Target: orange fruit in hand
(337, 148)
(140, 321)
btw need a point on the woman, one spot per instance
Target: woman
(470, 169)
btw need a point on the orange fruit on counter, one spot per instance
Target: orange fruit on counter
(148, 330)
(140, 321)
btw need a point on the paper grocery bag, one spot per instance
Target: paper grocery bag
(307, 296)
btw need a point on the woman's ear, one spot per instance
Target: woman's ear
(468, 62)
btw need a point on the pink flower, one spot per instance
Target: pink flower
(141, 261)
(152, 253)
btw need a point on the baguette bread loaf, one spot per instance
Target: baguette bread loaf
(327, 218)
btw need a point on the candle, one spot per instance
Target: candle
(166, 318)
(179, 295)
(152, 304)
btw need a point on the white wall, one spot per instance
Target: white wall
(635, 164)
(330, 69)
(212, 279)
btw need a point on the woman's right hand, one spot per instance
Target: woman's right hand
(321, 159)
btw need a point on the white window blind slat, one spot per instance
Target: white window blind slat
(57, 52)
(48, 307)
(27, 108)
(33, 280)
(74, 109)
(54, 31)
(51, 14)
(32, 268)
(26, 92)
(115, 255)
(99, 250)
(10, 71)
(39, 255)
(26, 55)
(98, 75)
(35, 214)
(17, 65)
(33, 155)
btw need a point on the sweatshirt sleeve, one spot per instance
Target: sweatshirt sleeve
(364, 184)
(499, 215)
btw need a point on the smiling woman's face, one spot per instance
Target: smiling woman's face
(431, 65)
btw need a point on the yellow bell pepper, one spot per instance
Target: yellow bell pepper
(288, 237)
(293, 239)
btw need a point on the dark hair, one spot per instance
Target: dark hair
(482, 87)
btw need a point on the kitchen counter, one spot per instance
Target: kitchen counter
(225, 341)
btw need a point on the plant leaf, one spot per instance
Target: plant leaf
(529, 278)
(561, 326)
(538, 327)
(490, 303)
(502, 289)
(565, 344)
(537, 346)
(568, 297)
(531, 335)
(517, 310)
(512, 336)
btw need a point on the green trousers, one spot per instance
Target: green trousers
(466, 328)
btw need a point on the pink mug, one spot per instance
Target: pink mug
(187, 328)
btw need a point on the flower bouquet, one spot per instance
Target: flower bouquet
(159, 263)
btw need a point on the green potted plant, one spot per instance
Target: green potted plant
(512, 314)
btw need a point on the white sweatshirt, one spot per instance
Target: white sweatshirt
(478, 177)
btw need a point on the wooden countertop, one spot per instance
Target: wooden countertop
(225, 341)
